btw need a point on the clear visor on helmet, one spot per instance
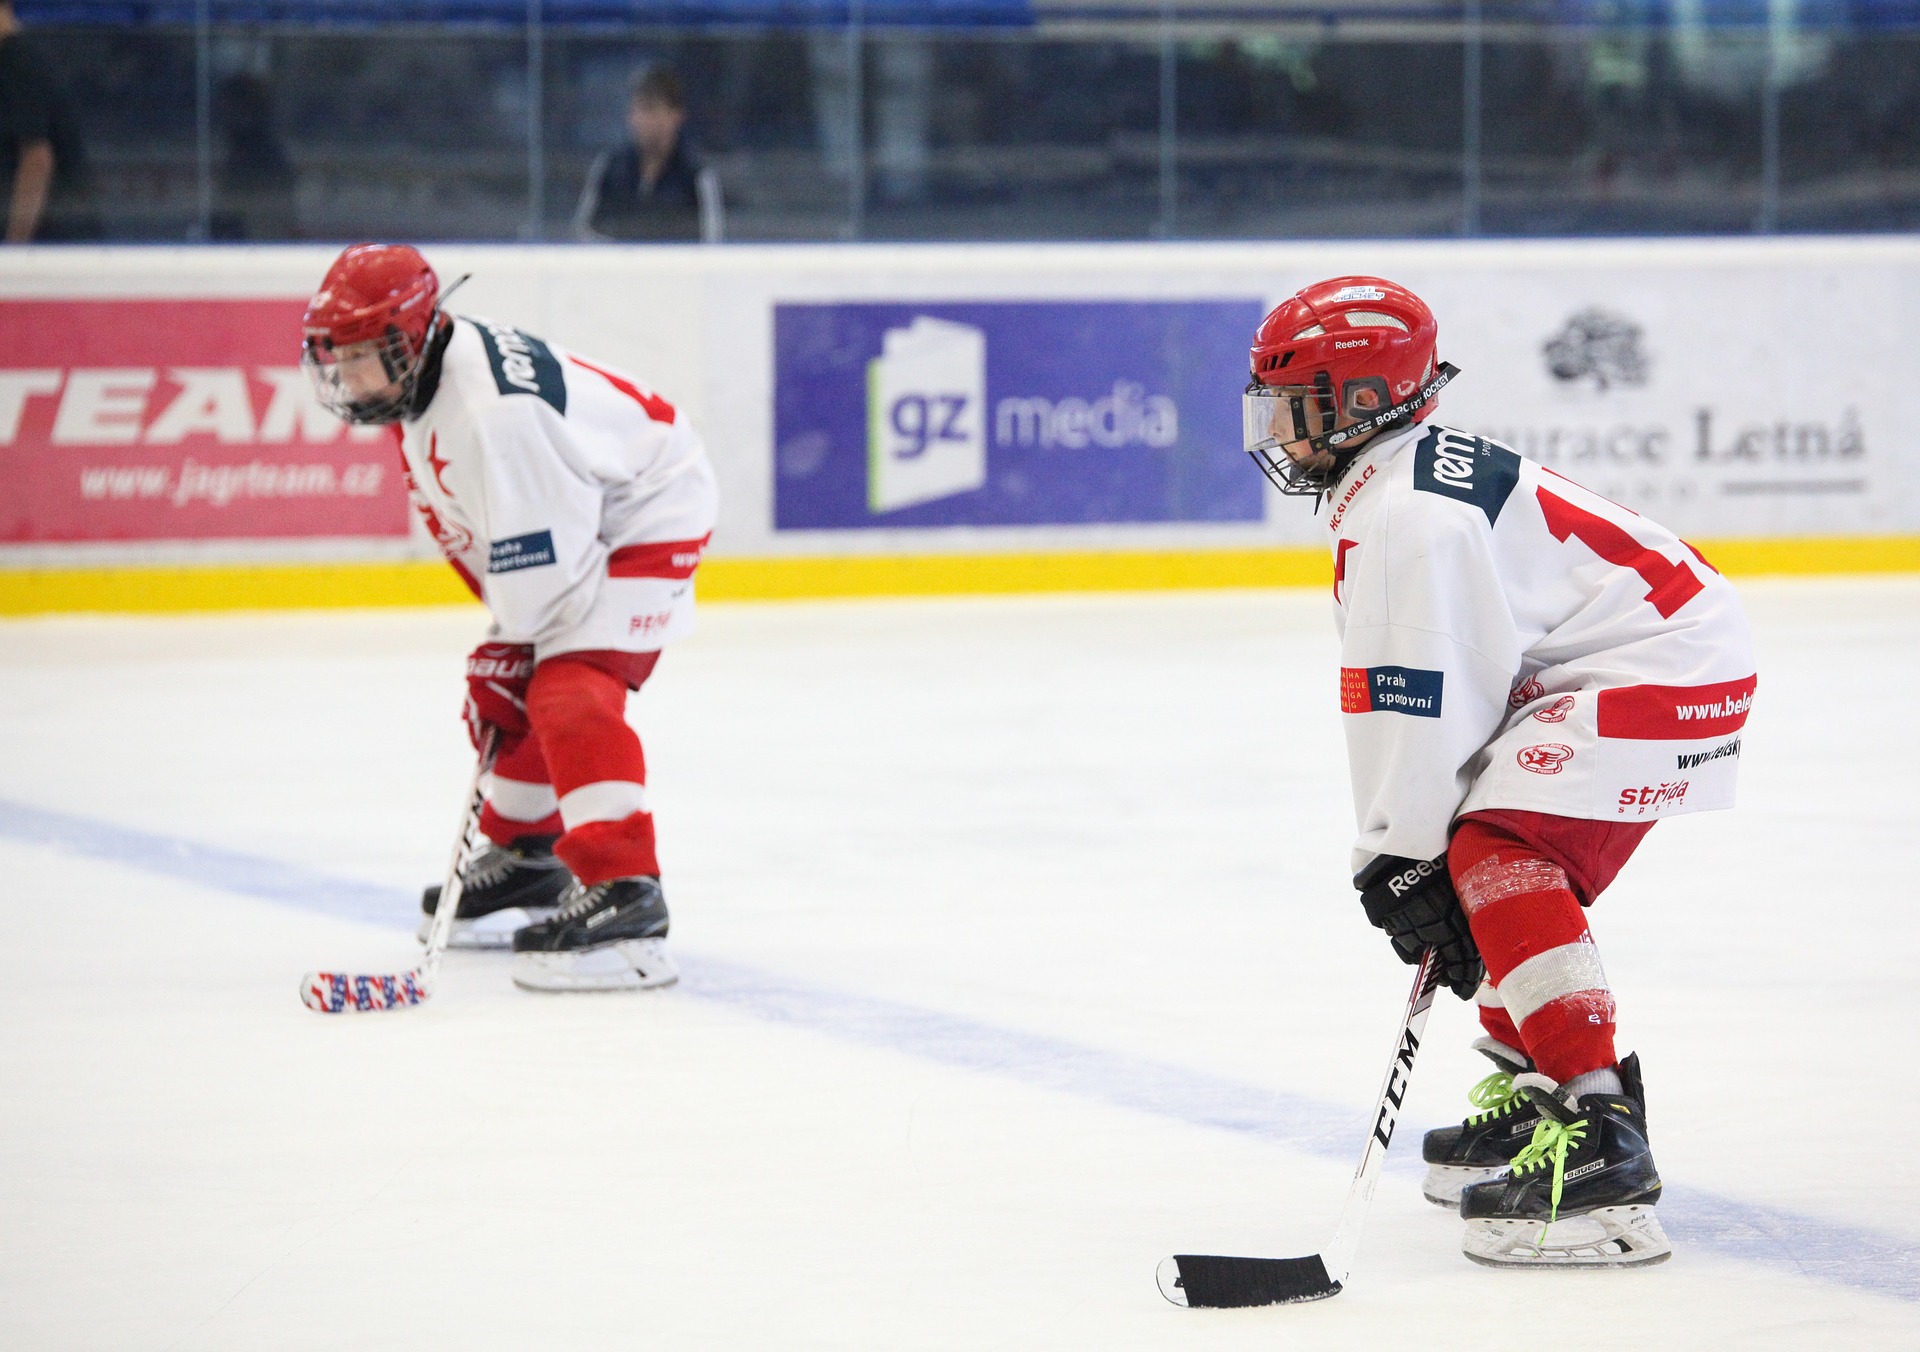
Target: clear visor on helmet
(365, 382)
(1275, 416)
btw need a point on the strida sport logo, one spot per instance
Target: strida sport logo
(1652, 798)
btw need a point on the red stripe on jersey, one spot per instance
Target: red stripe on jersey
(657, 408)
(473, 583)
(1672, 713)
(669, 558)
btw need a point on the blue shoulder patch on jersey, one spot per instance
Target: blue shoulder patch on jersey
(522, 364)
(534, 550)
(1466, 468)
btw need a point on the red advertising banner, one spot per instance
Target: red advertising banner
(129, 420)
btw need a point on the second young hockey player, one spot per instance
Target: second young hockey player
(575, 503)
(1531, 676)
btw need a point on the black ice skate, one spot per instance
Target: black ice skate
(502, 888)
(1581, 1194)
(1479, 1149)
(608, 937)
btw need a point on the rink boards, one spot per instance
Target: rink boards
(894, 419)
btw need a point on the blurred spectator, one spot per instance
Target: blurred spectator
(254, 192)
(42, 163)
(652, 187)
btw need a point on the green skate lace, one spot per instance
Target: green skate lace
(1496, 1095)
(1552, 1138)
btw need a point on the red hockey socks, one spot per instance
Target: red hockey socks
(1553, 996)
(520, 799)
(599, 774)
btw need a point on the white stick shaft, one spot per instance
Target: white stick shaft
(1393, 1092)
(449, 904)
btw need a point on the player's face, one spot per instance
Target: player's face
(1285, 433)
(362, 373)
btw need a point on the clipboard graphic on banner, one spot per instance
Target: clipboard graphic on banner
(926, 414)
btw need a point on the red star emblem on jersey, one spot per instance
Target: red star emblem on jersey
(439, 465)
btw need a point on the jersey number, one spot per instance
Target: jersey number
(1670, 585)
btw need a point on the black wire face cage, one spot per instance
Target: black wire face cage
(1265, 406)
(398, 361)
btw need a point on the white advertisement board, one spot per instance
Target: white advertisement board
(1731, 388)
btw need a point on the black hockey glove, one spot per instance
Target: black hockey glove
(1413, 901)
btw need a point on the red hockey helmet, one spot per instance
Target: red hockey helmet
(367, 331)
(1358, 352)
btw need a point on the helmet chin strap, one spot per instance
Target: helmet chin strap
(1388, 417)
(1295, 477)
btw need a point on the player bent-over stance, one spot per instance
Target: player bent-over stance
(1531, 676)
(575, 503)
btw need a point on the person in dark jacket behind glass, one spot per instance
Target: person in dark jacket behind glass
(651, 187)
(45, 189)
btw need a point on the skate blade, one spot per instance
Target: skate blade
(1607, 1237)
(1445, 1182)
(630, 965)
(493, 930)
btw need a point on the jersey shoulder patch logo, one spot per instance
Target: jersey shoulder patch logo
(1393, 690)
(522, 551)
(1466, 468)
(522, 364)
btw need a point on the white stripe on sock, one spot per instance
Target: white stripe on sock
(607, 800)
(519, 801)
(1550, 975)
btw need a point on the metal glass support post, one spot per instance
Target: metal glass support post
(1470, 121)
(203, 119)
(1767, 221)
(856, 120)
(1169, 218)
(536, 226)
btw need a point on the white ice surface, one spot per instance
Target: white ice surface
(1019, 954)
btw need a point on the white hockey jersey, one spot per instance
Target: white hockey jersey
(573, 500)
(1511, 640)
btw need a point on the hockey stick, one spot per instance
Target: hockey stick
(354, 993)
(1207, 1281)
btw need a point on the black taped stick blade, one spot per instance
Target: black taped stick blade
(1202, 1281)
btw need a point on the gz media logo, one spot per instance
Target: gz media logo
(1010, 414)
(926, 393)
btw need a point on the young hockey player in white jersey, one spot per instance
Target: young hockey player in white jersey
(575, 503)
(1531, 676)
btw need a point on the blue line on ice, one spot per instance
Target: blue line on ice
(1845, 1254)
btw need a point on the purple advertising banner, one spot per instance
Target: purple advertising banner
(1011, 414)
